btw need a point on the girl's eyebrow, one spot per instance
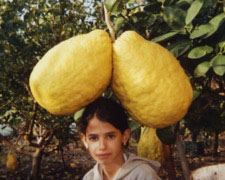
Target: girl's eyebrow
(92, 135)
(111, 132)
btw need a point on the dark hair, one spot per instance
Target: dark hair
(106, 110)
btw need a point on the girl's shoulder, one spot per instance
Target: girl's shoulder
(133, 160)
(89, 175)
(143, 172)
(93, 173)
(138, 168)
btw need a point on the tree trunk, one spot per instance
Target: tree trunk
(194, 143)
(216, 143)
(194, 136)
(62, 157)
(181, 154)
(36, 164)
(169, 163)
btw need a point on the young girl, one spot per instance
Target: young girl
(105, 132)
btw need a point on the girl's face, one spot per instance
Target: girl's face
(104, 141)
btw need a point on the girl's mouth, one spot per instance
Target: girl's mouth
(103, 156)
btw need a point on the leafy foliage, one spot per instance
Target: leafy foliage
(28, 29)
(193, 31)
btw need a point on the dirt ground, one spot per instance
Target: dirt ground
(78, 162)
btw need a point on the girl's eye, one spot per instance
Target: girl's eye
(111, 136)
(93, 138)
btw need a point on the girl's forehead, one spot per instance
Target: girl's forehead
(96, 125)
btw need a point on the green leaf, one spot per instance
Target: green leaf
(114, 6)
(193, 10)
(118, 23)
(222, 46)
(201, 30)
(180, 47)
(196, 94)
(199, 52)
(184, 3)
(202, 69)
(164, 36)
(134, 19)
(216, 22)
(130, 1)
(134, 125)
(135, 129)
(209, 28)
(109, 4)
(213, 59)
(78, 114)
(218, 64)
(174, 17)
(117, 8)
(210, 4)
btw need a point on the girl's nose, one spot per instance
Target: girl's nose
(102, 144)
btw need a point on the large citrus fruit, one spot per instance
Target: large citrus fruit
(11, 162)
(149, 81)
(150, 146)
(73, 73)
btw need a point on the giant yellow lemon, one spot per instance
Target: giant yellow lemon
(150, 146)
(149, 81)
(73, 73)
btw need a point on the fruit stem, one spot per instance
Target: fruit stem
(109, 24)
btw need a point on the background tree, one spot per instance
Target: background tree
(28, 29)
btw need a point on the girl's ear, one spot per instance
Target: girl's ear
(83, 138)
(126, 135)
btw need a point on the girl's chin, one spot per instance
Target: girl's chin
(103, 160)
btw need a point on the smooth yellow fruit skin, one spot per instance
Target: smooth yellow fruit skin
(150, 146)
(73, 73)
(11, 162)
(149, 81)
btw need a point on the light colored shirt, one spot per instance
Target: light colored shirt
(134, 168)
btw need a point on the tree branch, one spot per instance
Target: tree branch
(31, 125)
(109, 24)
(15, 147)
(47, 139)
(181, 154)
(6, 104)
